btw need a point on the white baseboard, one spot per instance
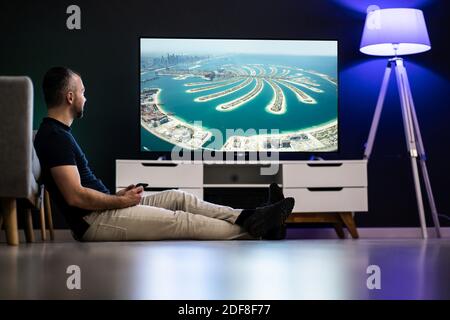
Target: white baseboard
(64, 235)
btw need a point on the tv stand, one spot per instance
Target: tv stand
(325, 191)
(337, 219)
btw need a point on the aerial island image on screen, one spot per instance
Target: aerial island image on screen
(238, 95)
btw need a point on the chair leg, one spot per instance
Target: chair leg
(42, 221)
(10, 215)
(29, 232)
(48, 213)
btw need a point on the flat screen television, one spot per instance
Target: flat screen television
(238, 95)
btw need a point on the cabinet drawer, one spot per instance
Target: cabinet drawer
(328, 199)
(167, 175)
(325, 174)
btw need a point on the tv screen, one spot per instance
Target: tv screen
(236, 95)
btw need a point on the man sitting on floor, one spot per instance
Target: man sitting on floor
(94, 214)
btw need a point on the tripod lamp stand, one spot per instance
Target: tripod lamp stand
(396, 32)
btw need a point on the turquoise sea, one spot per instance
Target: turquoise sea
(252, 114)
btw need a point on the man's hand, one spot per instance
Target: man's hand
(122, 192)
(132, 197)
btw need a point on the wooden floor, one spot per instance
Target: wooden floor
(290, 269)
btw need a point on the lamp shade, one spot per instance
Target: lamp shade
(396, 31)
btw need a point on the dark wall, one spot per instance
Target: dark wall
(105, 51)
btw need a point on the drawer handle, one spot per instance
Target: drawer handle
(324, 164)
(159, 164)
(157, 189)
(325, 189)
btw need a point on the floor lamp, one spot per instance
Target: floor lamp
(396, 32)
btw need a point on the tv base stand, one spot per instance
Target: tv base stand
(337, 219)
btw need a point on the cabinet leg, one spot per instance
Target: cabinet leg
(349, 222)
(339, 230)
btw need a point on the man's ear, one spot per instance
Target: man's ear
(69, 97)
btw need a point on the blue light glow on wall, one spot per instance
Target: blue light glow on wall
(361, 5)
(359, 87)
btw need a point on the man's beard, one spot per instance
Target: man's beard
(80, 114)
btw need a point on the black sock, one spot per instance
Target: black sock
(243, 216)
(275, 193)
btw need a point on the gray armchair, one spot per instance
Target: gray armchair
(19, 165)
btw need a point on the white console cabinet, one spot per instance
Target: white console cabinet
(324, 191)
(317, 186)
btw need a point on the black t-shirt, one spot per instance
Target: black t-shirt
(55, 146)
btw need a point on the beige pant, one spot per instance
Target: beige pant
(170, 214)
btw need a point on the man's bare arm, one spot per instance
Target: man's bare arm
(67, 179)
